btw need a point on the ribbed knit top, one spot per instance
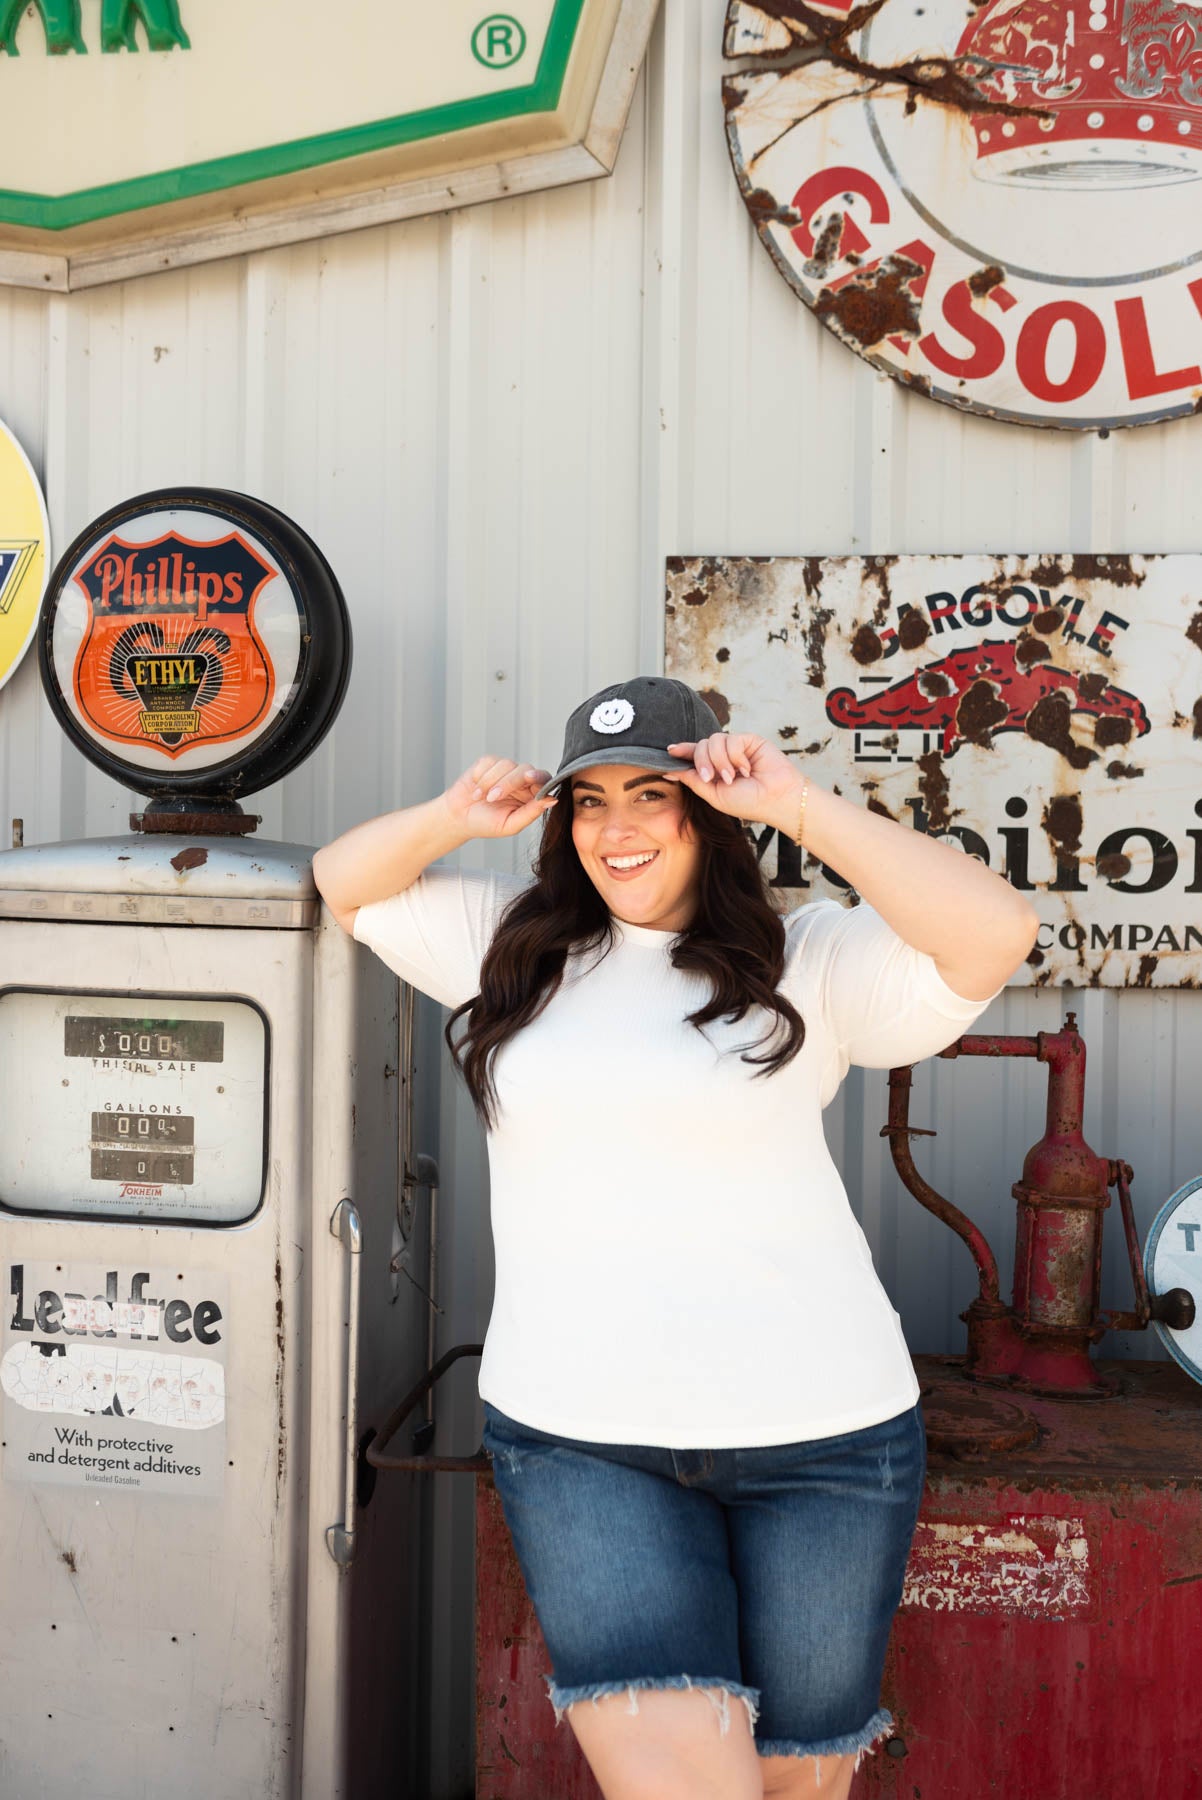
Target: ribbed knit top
(677, 1262)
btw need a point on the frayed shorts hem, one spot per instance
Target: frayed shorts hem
(719, 1692)
(852, 1743)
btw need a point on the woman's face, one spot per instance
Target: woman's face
(634, 842)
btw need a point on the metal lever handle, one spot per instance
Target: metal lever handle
(1176, 1308)
(1121, 1177)
(456, 1465)
(340, 1539)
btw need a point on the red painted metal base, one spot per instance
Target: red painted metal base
(1050, 1634)
(521, 1754)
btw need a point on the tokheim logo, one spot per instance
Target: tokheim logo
(171, 656)
(1027, 245)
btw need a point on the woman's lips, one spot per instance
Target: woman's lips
(629, 874)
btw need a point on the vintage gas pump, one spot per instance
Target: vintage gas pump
(199, 1196)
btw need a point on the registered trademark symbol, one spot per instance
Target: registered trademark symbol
(499, 41)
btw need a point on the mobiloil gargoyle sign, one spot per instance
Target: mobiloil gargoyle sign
(1041, 712)
(997, 205)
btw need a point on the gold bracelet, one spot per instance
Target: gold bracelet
(801, 817)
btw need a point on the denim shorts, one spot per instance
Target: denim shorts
(768, 1575)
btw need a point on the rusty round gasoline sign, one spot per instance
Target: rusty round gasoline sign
(996, 205)
(194, 642)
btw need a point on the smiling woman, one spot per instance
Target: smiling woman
(629, 831)
(710, 1462)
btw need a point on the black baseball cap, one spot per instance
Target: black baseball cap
(634, 722)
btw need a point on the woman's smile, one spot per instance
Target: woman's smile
(630, 831)
(625, 868)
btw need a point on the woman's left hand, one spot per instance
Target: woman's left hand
(974, 925)
(741, 774)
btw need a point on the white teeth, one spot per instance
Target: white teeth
(629, 862)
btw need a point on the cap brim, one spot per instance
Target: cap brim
(638, 756)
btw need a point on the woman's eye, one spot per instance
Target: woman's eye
(653, 794)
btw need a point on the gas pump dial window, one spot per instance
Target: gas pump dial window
(132, 1106)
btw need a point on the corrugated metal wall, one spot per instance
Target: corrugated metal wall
(497, 424)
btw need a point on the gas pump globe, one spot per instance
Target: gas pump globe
(200, 1174)
(195, 645)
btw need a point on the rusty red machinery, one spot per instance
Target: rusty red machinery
(1052, 1611)
(1051, 1622)
(1042, 1341)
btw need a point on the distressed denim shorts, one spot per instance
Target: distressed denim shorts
(768, 1575)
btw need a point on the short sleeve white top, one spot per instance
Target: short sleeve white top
(676, 1259)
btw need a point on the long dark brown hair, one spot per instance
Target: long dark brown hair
(735, 939)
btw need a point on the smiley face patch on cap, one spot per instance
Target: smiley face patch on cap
(611, 716)
(666, 710)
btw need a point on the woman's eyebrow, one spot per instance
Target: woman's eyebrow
(639, 781)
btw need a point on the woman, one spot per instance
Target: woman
(702, 1416)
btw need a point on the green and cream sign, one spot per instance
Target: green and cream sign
(139, 134)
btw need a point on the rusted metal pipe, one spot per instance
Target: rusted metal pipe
(1055, 1312)
(1041, 1342)
(899, 1131)
(991, 1046)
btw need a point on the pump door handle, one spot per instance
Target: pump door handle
(340, 1539)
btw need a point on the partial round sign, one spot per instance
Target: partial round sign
(1173, 1259)
(24, 552)
(194, 642)
(1031, 247)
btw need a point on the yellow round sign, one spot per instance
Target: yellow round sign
(24, 552)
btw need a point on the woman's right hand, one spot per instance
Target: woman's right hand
(496, 797)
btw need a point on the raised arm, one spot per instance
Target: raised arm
(494, 798)
(971, 922)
